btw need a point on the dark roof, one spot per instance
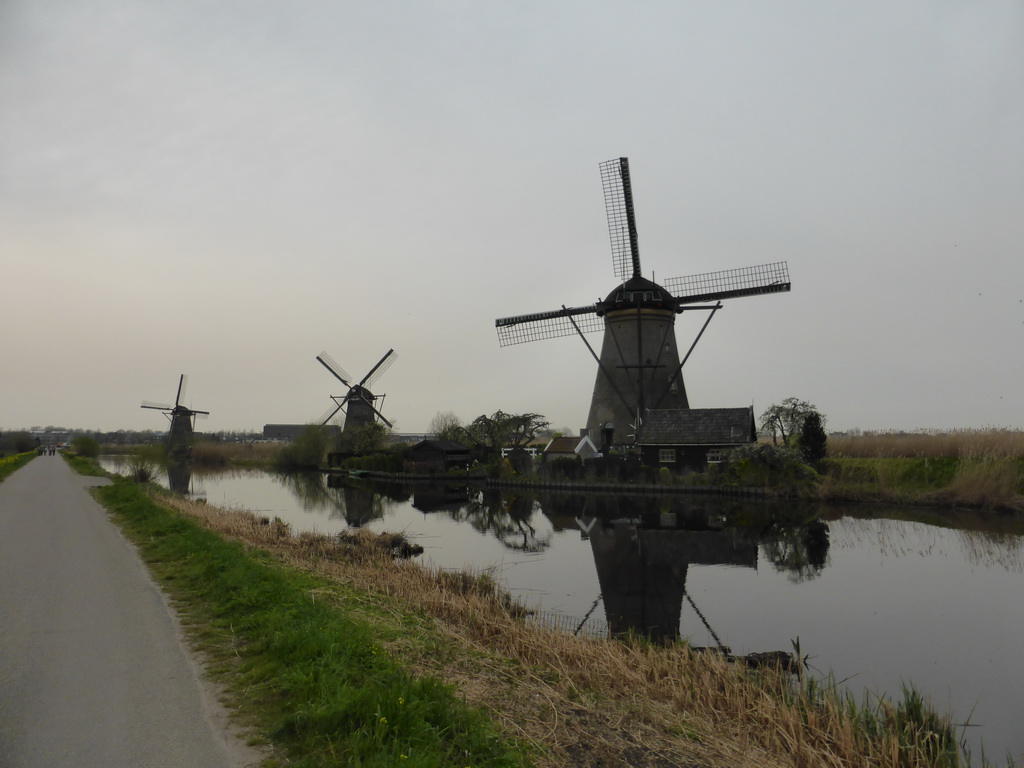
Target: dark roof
(563, 445)
(444, 446)
(698, 426)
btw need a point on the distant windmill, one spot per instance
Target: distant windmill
(639, 367)
(358, 401)
(182, 418)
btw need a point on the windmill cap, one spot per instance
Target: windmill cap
(638, 291)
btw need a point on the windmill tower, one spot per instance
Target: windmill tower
(182, 418)
(639, 367)
(358, 401)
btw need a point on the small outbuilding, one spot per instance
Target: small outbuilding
(570, 448)
(442, 454)
(691, 439)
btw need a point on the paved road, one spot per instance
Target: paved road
(93, 666)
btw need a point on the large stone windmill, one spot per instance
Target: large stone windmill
(639, 367)
(183, 420)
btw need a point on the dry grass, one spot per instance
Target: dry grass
(209, 452)
(928, 445)
(215, 453)
(980, 468)
(985, 479)
(577, 701)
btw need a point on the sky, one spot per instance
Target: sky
(226, 189)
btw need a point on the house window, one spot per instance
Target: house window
(715, 455)
(667, 455)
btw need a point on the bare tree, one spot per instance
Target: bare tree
(446, 426)
(786, 419)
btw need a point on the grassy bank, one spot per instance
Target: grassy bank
(339, 654)
(976, 468)
(9, 464)
(303, 660)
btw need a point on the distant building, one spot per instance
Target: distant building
(688, 440)
(50, 437)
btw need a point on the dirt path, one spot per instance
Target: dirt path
(94, 670)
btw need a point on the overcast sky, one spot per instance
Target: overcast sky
(224, 189)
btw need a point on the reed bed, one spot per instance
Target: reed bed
(928, 444)
(975, 468)
(585, 701)
(210, 453)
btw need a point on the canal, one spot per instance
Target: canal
(878, 597)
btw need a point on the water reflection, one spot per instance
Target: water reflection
(643, 549)
(357, 504)
(179, 477)
(506, 516)
(642, 566)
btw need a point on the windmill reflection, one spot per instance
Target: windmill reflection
(642, 565)
(358, 505)
(642, 558)
(179, 476)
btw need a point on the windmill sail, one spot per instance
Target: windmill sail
(618, 204)
(548, 325)
(730, 283)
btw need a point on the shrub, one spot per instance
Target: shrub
(762, 464)
(85, 446)
(307, 452)
(142, 469)
(564, 467)
(377, 462)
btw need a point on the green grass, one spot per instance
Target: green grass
(11, 463)
(909, 474)
(84, 465)
(317, 680)
(975, 480)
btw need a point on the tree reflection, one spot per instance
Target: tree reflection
(508, 517)
(801, 552)
(338, 499)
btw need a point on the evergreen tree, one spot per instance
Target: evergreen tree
(813, 439)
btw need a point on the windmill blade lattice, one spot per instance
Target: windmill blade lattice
(336, 370)
(730, 283)
(330, 413)
(618, 203)
(378, 370)
(547, 325)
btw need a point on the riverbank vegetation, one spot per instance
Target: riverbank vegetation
(9, 464)
(977, 468)
(339, 653)
(973, 468)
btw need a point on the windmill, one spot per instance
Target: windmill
(639, 367)
(182, 418)
(358, 401)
